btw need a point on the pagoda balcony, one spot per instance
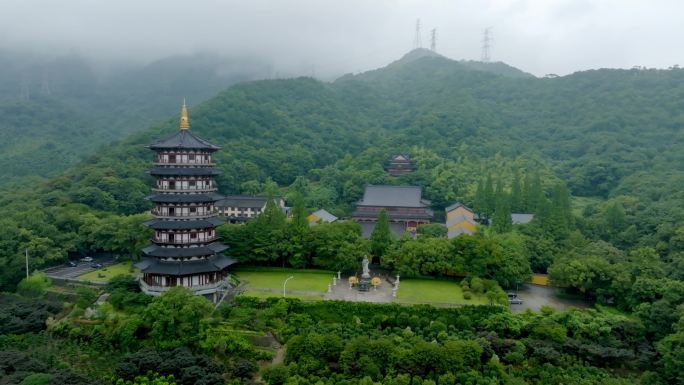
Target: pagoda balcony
(185, 163)
(159, 215)
(208, 288)
(185, 190)
(185, 242)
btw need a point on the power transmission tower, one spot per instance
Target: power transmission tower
(433, 40)
(417, 42)
(486, 44)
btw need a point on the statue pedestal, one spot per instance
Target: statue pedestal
(365, 282)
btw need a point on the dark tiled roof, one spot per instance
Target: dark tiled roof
(183, 139)
(177, 252)
(184, 171)
(427, 214)
(457, 205)
(400, 158)
(185, 198)
(393, 196)
(161, 224)
(216, 263)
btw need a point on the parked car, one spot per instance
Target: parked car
(515, 301)
(96, 265)
(72, 264)
(87, 259)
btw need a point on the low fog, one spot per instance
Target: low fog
(329, 38)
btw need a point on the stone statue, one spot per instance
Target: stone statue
(365, 281)
(366, 271)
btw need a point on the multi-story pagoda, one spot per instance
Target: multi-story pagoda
(185, 250)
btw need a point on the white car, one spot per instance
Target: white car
(87, 259)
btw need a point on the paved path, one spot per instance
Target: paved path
(534, 297)
(342, 292)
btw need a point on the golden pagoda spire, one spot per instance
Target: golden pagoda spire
(184, 122)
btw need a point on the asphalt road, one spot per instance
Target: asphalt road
(534, 297)
(81, 268)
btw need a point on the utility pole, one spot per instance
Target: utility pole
(486, 44)
(433, 40)
(417, 41)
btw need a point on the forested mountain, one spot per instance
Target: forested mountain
(613, 136)
(55, 110)
(596, 156)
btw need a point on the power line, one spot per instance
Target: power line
(486, 44)
(417, 41)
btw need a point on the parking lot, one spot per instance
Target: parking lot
(72, 272)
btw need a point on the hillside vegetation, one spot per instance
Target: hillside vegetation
(614, 135)
(595, 155)
(57, 110)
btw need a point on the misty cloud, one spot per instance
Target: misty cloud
(329, 38)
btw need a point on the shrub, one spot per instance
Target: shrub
(123, 282)
(477, 285)
(34, 286)
(467, 295)
(37, 379)
(276, 374)
(244, 368)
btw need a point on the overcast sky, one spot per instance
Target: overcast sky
(335, 37)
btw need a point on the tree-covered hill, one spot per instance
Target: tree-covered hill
(56, 110)
(596, 156)
(614, 136)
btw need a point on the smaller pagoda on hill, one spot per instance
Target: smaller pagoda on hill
(185, 249)
(399, 164)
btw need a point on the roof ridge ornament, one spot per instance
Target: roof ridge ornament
(184, 122)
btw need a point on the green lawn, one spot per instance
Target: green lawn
(107, 273)
(415, 291)
(267, 294)
(304, 280)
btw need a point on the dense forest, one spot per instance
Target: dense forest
(56, 110)
(595, 155)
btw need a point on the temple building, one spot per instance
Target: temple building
(399, 164)
(241, 208)
(405, 208)
(460, 220)
(185, 250)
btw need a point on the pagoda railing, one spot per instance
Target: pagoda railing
(198, 289)
(186, 190)
(185, 242)
(185, 163)
(159, 215)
